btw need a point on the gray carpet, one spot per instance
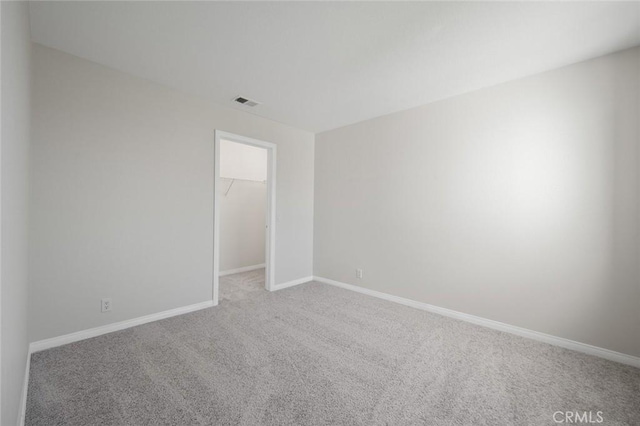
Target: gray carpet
(319, 355)
(241, 286)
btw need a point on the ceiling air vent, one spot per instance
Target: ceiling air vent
(246, 102)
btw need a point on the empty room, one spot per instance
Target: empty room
(320, 213)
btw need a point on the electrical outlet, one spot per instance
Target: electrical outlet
(105, 305)
(358, 273)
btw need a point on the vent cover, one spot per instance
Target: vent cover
(246, 102)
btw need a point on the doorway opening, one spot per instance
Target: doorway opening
(244, 215)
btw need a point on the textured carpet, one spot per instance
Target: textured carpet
(241, 286)
(319, 355)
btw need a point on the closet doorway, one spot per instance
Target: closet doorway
(244, 209)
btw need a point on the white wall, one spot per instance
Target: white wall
(243, 205)
(16, 47)
(242, 223)
(241, 161)
(518, 203)
(122, 195)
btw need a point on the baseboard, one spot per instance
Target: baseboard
(243, 269)
(291, 283)
(519, 331)
(25, 388)
(109, 328)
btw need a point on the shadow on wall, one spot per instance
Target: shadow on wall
(242, 223)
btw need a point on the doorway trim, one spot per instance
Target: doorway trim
(270, 220)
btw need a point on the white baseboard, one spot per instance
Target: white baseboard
(109, 328)
(243, 269)
(25, 387)
(292, 283)
(519, 331)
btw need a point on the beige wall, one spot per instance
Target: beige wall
(16, 70)
(243, 212)
(122, 195)
(518, 203)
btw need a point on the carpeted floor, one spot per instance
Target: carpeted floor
(241, 286)
(319, 355)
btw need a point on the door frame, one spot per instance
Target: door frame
(270, 220)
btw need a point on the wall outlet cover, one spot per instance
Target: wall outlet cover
(105, 305)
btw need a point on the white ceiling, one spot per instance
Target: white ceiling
(322, 65)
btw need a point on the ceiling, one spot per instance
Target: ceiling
(322, 65)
